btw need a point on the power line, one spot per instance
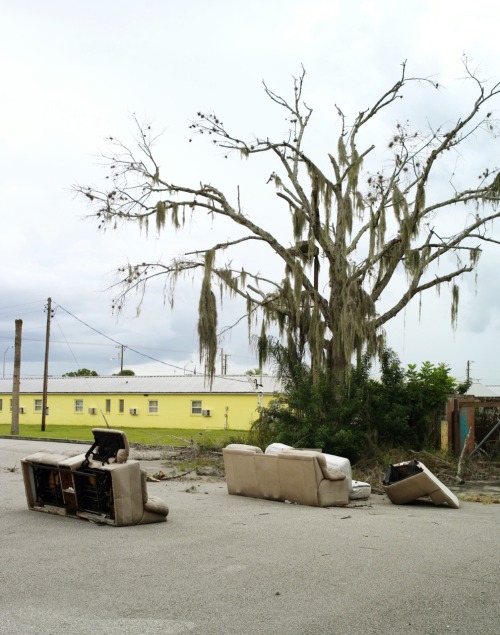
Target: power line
(117, 343)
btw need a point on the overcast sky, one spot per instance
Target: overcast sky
(74, 72)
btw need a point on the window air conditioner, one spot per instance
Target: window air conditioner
(134, 411)
(92, 411)
(206, 413)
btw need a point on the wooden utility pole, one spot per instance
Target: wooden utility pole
(122, 348)
(469, 362)
(16, 382)
(223, 362)
(46, 364)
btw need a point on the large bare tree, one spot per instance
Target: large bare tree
(350, 228)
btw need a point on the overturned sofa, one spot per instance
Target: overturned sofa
(102, 485)
(410, 480)
(297, 476)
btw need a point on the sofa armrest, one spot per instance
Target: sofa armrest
(73, 463)
(239, 464)
(331, 473)
(243, 447)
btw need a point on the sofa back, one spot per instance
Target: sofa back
(300, 475)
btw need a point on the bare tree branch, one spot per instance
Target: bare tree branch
(346, 232)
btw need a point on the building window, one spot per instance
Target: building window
(78, 405)
(121, 406)
(153, 407)
(38, 405)
(196, 407)
(1, 405)
(108, 405)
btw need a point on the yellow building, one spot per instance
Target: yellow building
(186, 401)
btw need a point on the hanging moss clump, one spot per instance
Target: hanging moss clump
(160, 215)
(207, 318)
(455, 292)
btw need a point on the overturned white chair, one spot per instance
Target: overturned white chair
(410, 480)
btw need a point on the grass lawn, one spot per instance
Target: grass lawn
(178, 437)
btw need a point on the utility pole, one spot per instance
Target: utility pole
(122, 347)
(16, 379)
(469, 362)
(46, 363)
(223, 362)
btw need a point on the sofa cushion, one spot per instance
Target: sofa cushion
(275, 448)
(156, 505)
(360, 490)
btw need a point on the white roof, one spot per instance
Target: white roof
(495, 390)
(480, 390)
(160, 384)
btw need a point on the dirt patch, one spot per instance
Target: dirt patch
(186, 463)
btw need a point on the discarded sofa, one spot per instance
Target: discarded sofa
(406, 482)
(297, 476)
(101, 485)
(358, 490)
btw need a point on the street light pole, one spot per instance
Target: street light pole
(5, 353)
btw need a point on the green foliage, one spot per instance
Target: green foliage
(426, 391)
(403, 408)
(313, 411)
(82, 372)
(124, 373)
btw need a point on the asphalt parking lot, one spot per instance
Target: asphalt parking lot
(225, 565)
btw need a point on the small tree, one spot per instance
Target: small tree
(124, 373)
(82, 372)
(427, 390)
(400, 409)
(347, 229)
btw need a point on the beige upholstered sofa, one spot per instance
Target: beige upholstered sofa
(101, 485)
(298, 476)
